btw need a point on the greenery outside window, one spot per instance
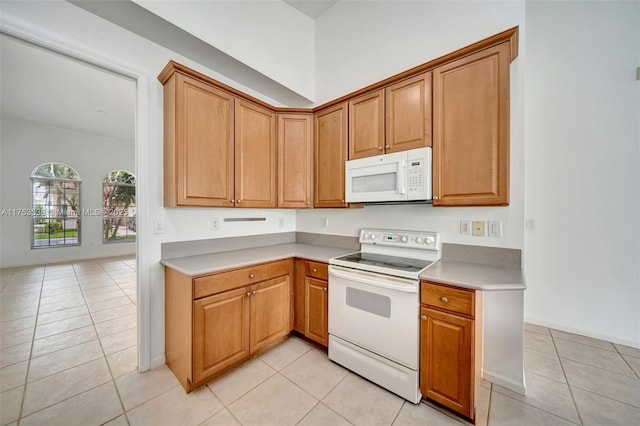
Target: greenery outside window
(55, 206)
(119, 203)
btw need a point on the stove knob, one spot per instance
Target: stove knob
(429, 240)
(373, 236)
(404, 239)
(365, 236)
(418, 240)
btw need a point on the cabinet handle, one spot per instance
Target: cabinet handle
(379, 148)
(253, 292)
(315, 269)
(423, 317)
(444, 299)
(248, 293)
(387, 147)
(251, 276)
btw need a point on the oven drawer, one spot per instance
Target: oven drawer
(448, 298)
(316, 270)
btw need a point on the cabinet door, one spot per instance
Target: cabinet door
(220, 332)
(255, 156)
(408, 114)
(316, 307)
(471, 130)
(366, 125)
(299, 284)
(446, 360)
(270, 304)
(199, 152)
(330, 156)
(295, 160)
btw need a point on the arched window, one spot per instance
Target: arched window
(55, 206)
(119, 202)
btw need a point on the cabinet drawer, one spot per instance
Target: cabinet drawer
(448, 298)
(316, 270)
(216, 283)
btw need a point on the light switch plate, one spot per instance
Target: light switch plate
(465, 227)
(495, 228)
(479, 228)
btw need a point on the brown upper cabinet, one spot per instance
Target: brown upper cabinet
(198, 144)
(366, 125)
(330, 155)
(256, 144)
(471, 129)
(221, 148)
(295, 160)
(408, 114)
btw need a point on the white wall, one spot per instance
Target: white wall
(65, 24)
(582, 168)
(269, 36)
(359, 43)
(24, 146)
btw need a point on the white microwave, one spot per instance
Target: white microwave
(390, 178)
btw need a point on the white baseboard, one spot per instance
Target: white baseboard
(632, 343)
(157, 361)
(505, 382)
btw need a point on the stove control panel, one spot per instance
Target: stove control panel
(400, 238)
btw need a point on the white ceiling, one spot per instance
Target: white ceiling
(43, 86)
(312, 8)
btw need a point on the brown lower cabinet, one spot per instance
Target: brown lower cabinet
(311, 300)
(450, 346)
(217, 321)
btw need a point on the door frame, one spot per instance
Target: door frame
(142, 148)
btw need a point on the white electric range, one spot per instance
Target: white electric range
(374, 307)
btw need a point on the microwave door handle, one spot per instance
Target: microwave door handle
(402, 166)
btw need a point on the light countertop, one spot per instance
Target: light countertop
(475, 276)
(217, 262)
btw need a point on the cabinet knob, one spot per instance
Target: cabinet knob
(248, 293)
(251, 276)
(423, 317)
(308, 203)
(387, 147)
(342, 201)
(315, 269)
(253, 292)
(444, 299)
(238, 201)
(379, 148)
(325, 289)
(435, 197)
(232, 201)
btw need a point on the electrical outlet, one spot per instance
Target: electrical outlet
(495, 228)
(215, 224)
(479, 228)
(465, 227)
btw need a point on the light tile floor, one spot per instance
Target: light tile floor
(68, 357)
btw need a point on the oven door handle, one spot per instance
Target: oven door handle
(376, 280)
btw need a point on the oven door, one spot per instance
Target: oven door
(377, 312)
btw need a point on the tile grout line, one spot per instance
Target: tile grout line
(564, 373)
(637, 374)
(26, 376)
(113, 381)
